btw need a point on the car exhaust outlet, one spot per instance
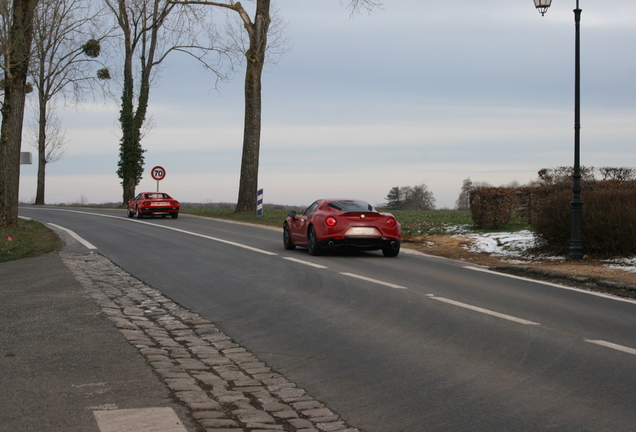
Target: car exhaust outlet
(331, 243)
(393, 244)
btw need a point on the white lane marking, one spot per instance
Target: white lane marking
(485, 311)
(174, 229)
(483, 270)
(241, 245)
(74, 235)
(135, 420)
(379, 282)
(463, 305)
(613, 346)
(594, 293)
(299, 261)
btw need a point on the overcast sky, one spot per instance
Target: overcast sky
(420, 91)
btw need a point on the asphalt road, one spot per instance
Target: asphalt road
(412, 343)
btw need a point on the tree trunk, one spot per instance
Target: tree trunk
(39, 193)
(130, 152)
(248, 183)
(129, 189)
(17, 63)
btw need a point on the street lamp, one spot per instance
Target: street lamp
(576, 205)
(542, 5)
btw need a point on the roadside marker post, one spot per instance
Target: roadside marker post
(259, 203)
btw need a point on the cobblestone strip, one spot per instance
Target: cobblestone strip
(225, 386)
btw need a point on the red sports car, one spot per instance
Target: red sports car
(341, 224)
(153, 203)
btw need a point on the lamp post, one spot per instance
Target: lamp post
(576, 205)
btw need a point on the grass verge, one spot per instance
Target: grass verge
(270, 217)
(414, 222)
(29, 239)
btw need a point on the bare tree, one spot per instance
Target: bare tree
(5, 16)
(562, 174)
(151, 30)
(257, 30)
(65, 44)
(16, 48)
(359, 5)
(49, 150)
(394, 198)
(620, 174)
(417, 198)
(410, 198)
(463, 201)
(55, 136)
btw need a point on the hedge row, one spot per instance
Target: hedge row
(491, 206)
(609, 214)
(608, 222)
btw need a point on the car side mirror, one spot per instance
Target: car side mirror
(292, 214)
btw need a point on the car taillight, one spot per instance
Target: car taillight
(391, 222)
(146, 204)
(174, 203)
(331, 221)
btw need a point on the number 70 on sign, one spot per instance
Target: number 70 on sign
(158, 173)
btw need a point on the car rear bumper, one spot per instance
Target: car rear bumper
(360, 243)
(158, 211)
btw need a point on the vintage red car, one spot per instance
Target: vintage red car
(342, 224)
(153, 203)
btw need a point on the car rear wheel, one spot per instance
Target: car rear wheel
(287, 241)
(138, 214)
(391, 251)
(312, 243)
(174, 215)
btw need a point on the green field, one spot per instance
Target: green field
(433, 222)
(414, 222)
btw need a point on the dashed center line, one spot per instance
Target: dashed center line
(613, 346)
(379, 282)
(299, 261)
(606, 344)
(241, 245)
(485, 311)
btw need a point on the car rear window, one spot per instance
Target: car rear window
(351, 206)
(156, 195)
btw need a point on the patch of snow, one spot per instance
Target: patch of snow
(457, 229)
(508, 244)
(516, 261)
(516, 244)
(625, 264)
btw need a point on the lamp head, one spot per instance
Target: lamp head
(542, 5)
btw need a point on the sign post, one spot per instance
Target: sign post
(158, 173)
(259, 203)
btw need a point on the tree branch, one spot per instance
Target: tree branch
(237, 7)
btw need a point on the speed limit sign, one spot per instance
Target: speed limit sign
(158, 173)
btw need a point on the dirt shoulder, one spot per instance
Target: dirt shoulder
(588, 274)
